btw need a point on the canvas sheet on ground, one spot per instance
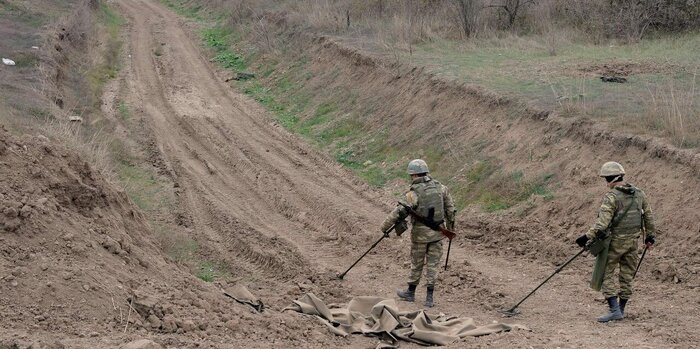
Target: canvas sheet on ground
(381, 317)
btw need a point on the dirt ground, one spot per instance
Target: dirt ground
(285, 217)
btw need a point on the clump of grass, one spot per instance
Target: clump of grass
(675, 112)
(208, 271)
(123, 110)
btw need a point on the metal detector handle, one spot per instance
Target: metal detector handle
(640, 261)
(551, 276)
(384, 235)
(449, 247)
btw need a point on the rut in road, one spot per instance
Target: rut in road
(265, 200)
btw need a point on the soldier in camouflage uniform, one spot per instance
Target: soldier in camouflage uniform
(431, 200)
(622, 217)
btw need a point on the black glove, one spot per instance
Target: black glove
(649, 240)
(582, 240)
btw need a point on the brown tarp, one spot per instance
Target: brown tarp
(380, 317)
(241, 295)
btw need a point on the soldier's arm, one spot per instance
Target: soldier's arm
(450, 209)
(649, 224)
(605, 215)
(399, 212)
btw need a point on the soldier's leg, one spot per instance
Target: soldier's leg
(609, 290)
(628, 263)
(614, 253)
(433, 257)
(418, 252)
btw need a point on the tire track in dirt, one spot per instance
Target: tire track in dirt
(236, 169)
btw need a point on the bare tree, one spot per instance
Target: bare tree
(512, 8)
(467, 11)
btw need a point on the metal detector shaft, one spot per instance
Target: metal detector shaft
(386, 234)
(545, 281)
(640, 261)
(449, 246)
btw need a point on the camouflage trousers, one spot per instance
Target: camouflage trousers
(425, 254)
(622, 252)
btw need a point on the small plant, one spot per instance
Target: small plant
(123, 110)
(208, 271)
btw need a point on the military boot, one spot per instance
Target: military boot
(623, 303)
(429, 297)
(409, 295)
(614, 312)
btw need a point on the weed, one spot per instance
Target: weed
(123, 110)
(208, 271)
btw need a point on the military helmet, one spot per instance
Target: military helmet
(417, 166)
(611, 168)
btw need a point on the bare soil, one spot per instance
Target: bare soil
(81, 266)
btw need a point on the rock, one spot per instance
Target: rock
(154, 322)
(34, 345)
(142, 344)
(86, 287)
(93, 334)
(14, 283)
(188, 325)
(40, 318)
(55, 345)
(75, 118)
(233, 324)
(11, 224)
(11, 212)
(112, 245)
(169, 324)
(26, 211)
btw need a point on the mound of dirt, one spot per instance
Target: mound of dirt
(629, 68)
(79, 264)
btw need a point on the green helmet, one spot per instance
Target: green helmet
(611, 168)
(417, 166)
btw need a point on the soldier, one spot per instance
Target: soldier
(431, 200)
(623, 215)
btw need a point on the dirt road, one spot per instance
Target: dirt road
(278, 212)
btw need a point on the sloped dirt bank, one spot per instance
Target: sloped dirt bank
(483, 145)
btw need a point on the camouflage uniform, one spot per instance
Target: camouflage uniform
(426, 247)
(624, 235)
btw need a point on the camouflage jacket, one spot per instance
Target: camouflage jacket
(614, 203)
(420, 233)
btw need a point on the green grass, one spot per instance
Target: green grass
(108, 68)
(209, 271)
(142, 185)
(523, 68)
(123, 110)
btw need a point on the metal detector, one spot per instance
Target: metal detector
(385, 235)
(514, 310)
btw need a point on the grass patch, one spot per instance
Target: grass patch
(141, 185)
(108, 67)
(569, 81)
(123, 110)
(209, 271)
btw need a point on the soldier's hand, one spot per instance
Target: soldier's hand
(582, 240)
(649, 241)
(386, 233)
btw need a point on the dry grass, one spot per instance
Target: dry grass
(93, 147)
(676, 112)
